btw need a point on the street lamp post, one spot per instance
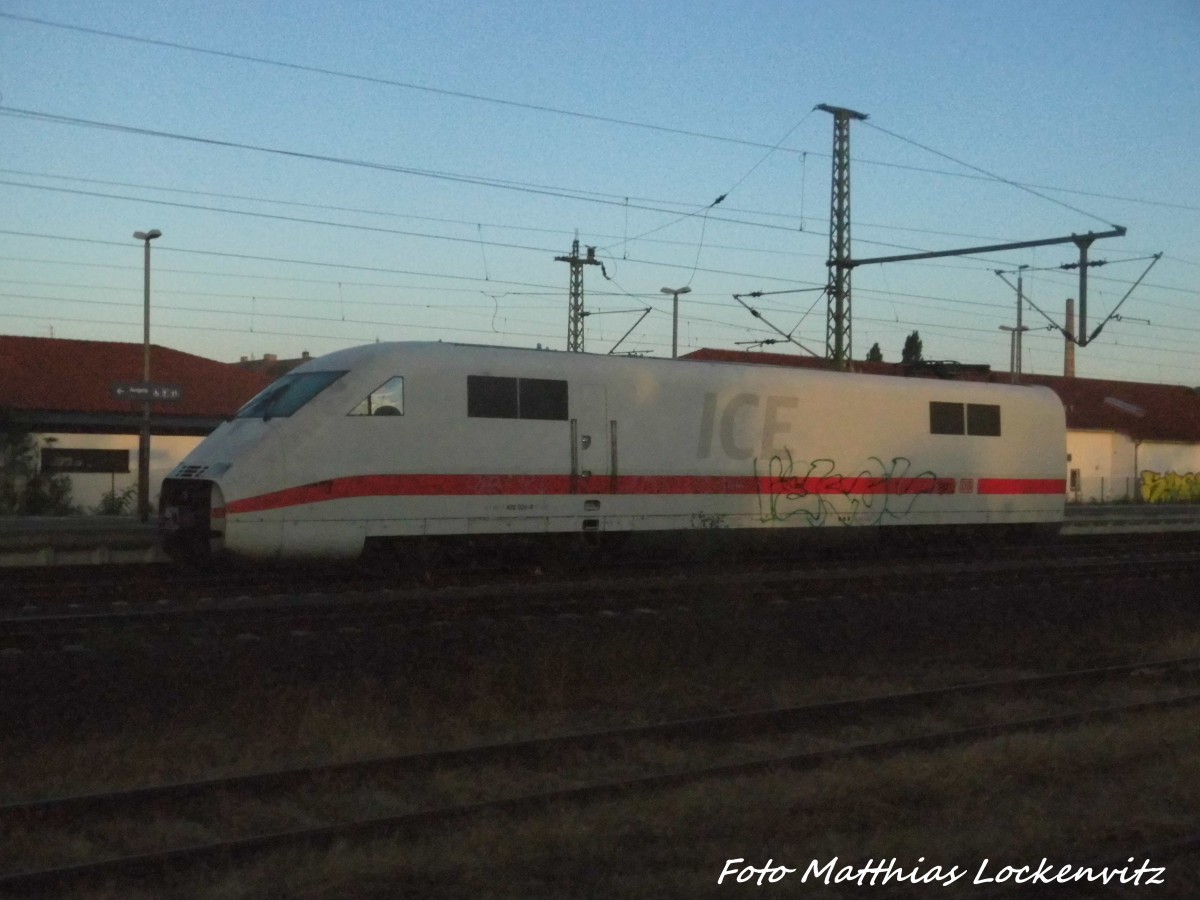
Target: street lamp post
(675, 292)
(1014, 350)
(144, 438)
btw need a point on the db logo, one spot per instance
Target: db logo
(966, 485)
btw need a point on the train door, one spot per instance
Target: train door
(591, 446)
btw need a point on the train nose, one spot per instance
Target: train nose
(191, 519)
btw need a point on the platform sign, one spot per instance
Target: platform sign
(64, 461)
(146, 390)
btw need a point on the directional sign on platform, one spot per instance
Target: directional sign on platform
(146, 390)
(57, 460)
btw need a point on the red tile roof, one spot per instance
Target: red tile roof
(56, 374)
(1157, 412)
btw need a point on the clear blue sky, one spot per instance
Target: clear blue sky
(494, 132)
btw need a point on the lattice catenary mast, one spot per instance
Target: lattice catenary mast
(576, 314)
(837, 320)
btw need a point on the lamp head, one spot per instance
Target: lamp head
(147, 235)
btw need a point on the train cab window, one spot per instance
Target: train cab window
(946, 418)
(385, 400)
(288, 394)
(983, 419)
(492, 397)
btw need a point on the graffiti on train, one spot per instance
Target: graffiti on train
(1170, 487)
(820, 494)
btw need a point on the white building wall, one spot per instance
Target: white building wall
(1096, 472)
(1169, 472)
(1122, 482)
(1108, 467)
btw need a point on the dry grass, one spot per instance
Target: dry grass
(1093, 790)
(1073, 798)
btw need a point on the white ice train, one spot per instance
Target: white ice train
(402, 441)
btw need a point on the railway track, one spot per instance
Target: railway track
(61, 591)
(431, 789)
(416, 610)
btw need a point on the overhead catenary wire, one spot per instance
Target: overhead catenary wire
(486, 274)
(659, 205)
(547, 109)
(460, 178)
(351, 266)
(550, 289)
(783, 334)
(990, 175)
(962, 332)
(721, 199)
(389, 82)
(985, 307)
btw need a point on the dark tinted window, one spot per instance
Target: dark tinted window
(946, 418)
(491, 398)
(287, 395)
(542, 398)
(983, 419)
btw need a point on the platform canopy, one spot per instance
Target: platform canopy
(69, 386)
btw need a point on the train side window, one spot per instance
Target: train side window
(385, 400)
(983, 419)
(542, 398)
(489, 397)
(946, 418)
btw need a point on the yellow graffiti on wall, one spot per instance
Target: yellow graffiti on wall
(1171, 487)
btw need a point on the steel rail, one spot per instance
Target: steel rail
(389, 825)
(142, 584)
(452, 601)
(559, 602)
(739, 724)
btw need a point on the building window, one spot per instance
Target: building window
(385, 400)
(491, 397)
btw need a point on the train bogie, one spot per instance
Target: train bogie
(396, 442)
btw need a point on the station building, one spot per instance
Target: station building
(1126, 441)
(64, 393)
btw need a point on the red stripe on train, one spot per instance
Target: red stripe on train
(1022, 486)
(538, 485)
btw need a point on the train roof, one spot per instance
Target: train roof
(554, 362)
(1142, 411)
